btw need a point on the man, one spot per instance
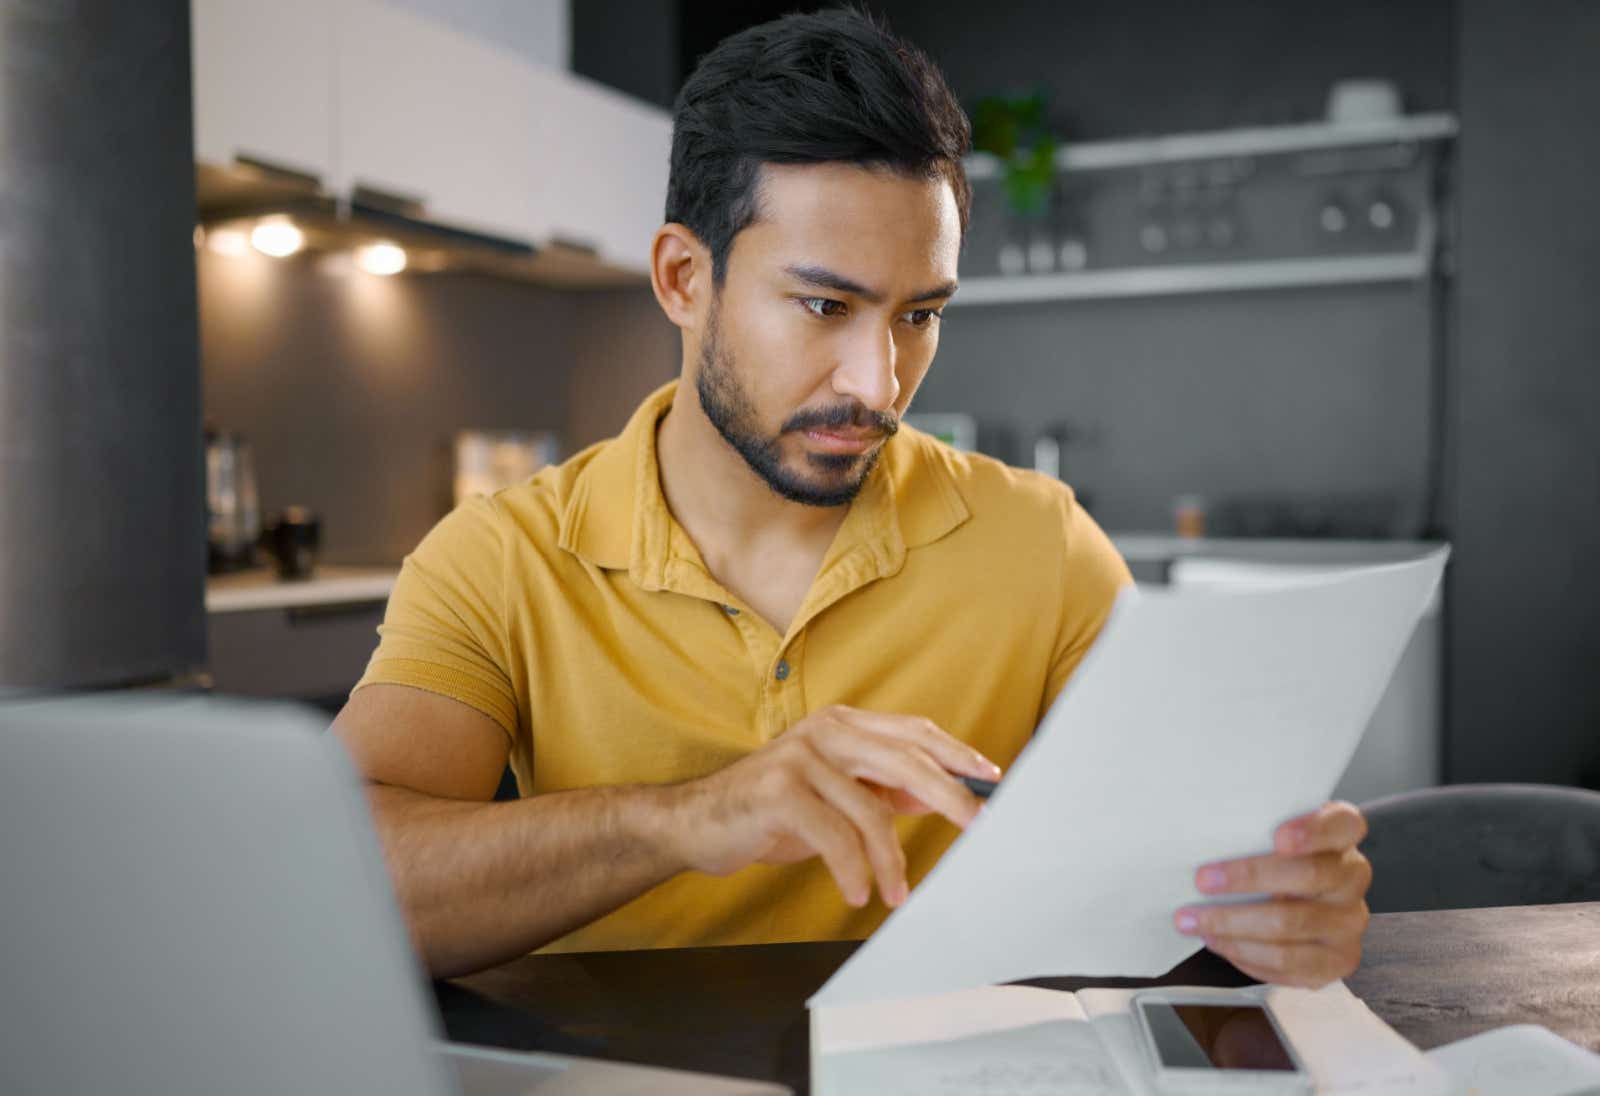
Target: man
(739, 655)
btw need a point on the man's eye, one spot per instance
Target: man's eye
(922, 317)
(822, 306)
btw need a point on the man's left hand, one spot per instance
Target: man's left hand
(1308, 932)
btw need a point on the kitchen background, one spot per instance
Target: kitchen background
(1452, 400)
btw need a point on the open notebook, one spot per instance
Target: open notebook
(1022, 1040)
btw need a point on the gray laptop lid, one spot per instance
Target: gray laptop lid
(191, 901)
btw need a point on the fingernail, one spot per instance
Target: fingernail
(993, 767)
(1213, 879)
(1187, 922)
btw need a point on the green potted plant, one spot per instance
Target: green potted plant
(1015, 130)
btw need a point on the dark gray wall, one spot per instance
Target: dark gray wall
(351, 388)
(1525, 617)
(1120, 67)
(632, 45)
(1291, 391)
(102, 506)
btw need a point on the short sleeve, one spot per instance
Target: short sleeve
(1095, 573)
(444, 630)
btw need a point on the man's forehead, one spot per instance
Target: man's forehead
(868, 224)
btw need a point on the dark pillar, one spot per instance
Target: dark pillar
(102, 507)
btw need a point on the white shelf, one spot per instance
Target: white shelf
(1197, 278)
(1263, 140)
(1212, 277)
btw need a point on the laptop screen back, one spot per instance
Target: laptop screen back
(192, 901)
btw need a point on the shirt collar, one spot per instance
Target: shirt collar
(617, 516)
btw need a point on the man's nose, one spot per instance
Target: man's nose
(867, 372)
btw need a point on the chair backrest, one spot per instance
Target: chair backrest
(1472, 845)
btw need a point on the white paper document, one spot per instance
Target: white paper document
(1524, 1060)
(1023, 1039)
(1197, 723)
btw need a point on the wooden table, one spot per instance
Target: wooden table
(1435, 977)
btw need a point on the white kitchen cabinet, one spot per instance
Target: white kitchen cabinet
(263, 83)
(603, 165)
(363, 93)
(489, 141)
(426, 112)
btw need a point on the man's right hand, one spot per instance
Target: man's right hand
(829, 786)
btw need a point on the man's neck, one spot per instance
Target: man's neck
(724, 506)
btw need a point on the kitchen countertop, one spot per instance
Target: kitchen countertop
(330, 584)
(334, 584)
(1162, 547)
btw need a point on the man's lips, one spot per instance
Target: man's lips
(843, 441)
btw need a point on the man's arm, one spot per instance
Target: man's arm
(481, 882)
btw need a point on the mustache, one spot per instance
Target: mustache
(854, 415)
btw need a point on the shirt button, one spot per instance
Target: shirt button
(730, 610)
(782, 671)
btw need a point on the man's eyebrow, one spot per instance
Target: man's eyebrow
(823, 278)
(945, 289)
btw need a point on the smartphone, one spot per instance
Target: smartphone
(1217, 1043)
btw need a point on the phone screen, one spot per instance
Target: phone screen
(1215, 1037)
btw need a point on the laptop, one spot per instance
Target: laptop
(192, 900)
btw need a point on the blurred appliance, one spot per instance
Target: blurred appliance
(102, 480)
(1402, 747)
(490, 460)
(1360, 101)
(233, 507)
(292, 539)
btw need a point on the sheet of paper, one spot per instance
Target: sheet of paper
(1524, 1060)
(1199, 721)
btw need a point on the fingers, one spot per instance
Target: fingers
(831, 787)
(827, 832)
(894, 763)
(1282, 920)
(1330, 875)
(1333, 827)
(950, 752)
(1309, 933)
(1289, 964)
(873, 821)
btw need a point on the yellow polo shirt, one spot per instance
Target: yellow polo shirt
(576, 613)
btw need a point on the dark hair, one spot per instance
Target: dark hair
(828, 87)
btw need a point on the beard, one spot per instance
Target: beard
(837, 478)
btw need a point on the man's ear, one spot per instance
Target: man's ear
(680, 274)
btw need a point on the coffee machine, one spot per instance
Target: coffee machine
(233, 509)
